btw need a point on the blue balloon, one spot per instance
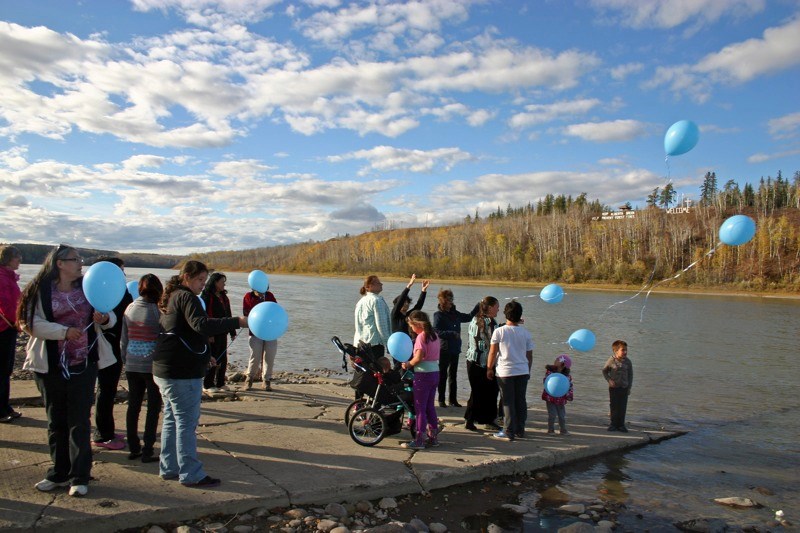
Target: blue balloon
(258, 281)
(133, 288)
(268, 321)
(552, 293)
(104, 286)
(582, 340)
(400, 346)
(556, 385)
(737, 230)
(681, 137)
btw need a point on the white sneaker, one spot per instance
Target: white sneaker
(78, 490)
(46, 485)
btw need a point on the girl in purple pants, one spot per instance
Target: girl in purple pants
(425, 363)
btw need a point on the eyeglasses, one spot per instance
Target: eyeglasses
(78, 260)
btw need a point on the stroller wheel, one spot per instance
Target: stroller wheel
(352, 408)
(367, 427)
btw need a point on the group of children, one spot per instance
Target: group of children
(510, 360)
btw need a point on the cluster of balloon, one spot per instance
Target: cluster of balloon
(268, 321)
(582, 340)
(737, 230)
(681, 137)
(133, 288)
(556, 385)
(104, 286)
(552, 294)
(258, 281)
(400, 346)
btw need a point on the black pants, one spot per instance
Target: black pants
(618, 398)
(68, 404)
(448, 372)
(215, 376)
(515, 406)
(482, 403)
(140, 383)
(8, 347)
(107, 383)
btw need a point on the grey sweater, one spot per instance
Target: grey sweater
(620, 372)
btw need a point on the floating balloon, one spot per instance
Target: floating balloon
(133, 288)
(582, 340)
(556, 385)
(104, 286)
(258, 281)
(737, 230)
(400, 346)
(202, 302)
(268, 321)
(681, 137)
(552, 293)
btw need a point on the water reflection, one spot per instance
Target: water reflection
(614, 480)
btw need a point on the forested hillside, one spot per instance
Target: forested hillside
(558, 240)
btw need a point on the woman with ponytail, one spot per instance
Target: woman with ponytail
(180, 361)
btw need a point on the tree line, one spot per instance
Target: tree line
(556, 239)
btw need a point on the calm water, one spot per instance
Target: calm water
(725, 367)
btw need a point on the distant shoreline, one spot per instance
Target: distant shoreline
(697, 291)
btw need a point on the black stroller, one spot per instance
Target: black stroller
(383, 398)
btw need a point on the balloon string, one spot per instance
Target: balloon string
(646, 283)
(676, 276)
(231, 343)
(518, 297)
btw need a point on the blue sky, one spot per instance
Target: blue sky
(179, 126)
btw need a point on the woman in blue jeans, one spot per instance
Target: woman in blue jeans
(180, 361)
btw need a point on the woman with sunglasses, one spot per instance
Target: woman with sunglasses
(63, 353)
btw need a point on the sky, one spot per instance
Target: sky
(178, 126)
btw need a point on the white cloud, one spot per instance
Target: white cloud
(611, 131)
(777, 50)
(535, 114)
(621, 72)
(785, 127)
(389, 159)
(670, 13)
(762, 157)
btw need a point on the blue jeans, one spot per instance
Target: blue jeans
(178, 455)
(515, 406)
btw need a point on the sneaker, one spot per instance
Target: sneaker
(412, 445)
(432, 442)
(6, 419)
(622, 429)
(113, 444)
(205, 483)
(470, 426)
(455, 403)
(564, 432)
(46, 485)
(149, 457)
(78, 490)
(169, 477)
(134, 455)
(612, 428)
(442, 404)
(551, 431)
(520, 435)
(502, 435)
(267, 385)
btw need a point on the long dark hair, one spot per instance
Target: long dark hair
(421, 317)
(483, 312)
(190, 269)
(150, 288)
(209, 289)
(47, 274)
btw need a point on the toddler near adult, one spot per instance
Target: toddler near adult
(618, 372)
(556, 407)
(510, 360)
(425, 363)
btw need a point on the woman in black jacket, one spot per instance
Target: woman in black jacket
(217, 306)
(400, 311)
(447, 323)
(180, 361)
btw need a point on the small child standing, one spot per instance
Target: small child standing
(425, 363)
(556, 407)
(511, 349)
(618, 371)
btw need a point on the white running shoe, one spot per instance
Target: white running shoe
(46, 485)
(78, 490)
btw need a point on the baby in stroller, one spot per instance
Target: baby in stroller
(383, 394)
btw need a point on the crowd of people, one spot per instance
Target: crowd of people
(499, 360)
(171, 341)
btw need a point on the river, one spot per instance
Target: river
(724, 367)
